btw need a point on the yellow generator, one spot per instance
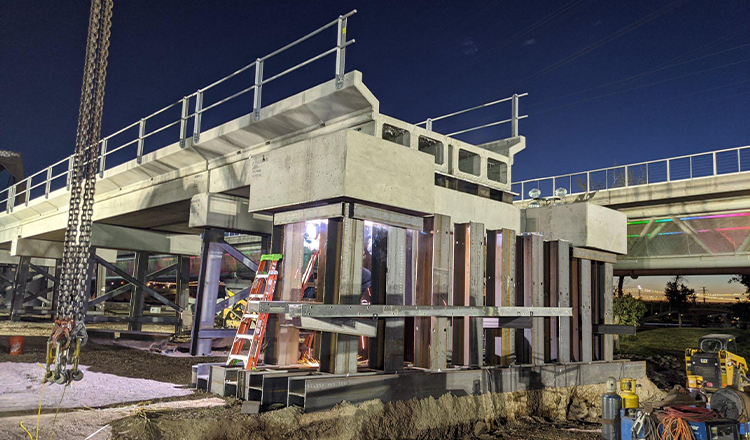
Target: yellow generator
(715, 364)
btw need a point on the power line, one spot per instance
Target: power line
(613, 36)
(643, 86)
(565, 10)
(644, 73)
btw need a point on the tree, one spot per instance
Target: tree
(679, 296)
(629, 310)
(742, 279)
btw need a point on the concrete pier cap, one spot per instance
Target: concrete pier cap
(582, 224)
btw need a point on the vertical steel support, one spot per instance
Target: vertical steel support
(271, 353)
(378, 269)
(103, 158)
(608, 308)
(341, 52)
(433, 288)
(182, 292)
(56, 286)
(575, 304)
(198, 116)
(428, 124)
(530, 293)
(138, 296)
(559, 288)
(289, 288)
(395, 288)
(514, 116)
(101, 281)
(208, 291)
(183, 121)
(343, 286)
(258, 91)
(468, 290)
(11, 198)
(584, 279)
(141, 139)
(500, 345)
(19, 290)
(715, 166)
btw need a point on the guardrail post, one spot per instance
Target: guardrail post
(198, 114)
(258, 92)
(668, 173)
(341, 52)
(11, 198)
(141, 133)
(715, 167)
(428, 124)
(514, 116)
(183, 122)
(27, 191)
(48, 182)
(588, 182)
(103, 158)
(691, 166)
(739, 161)
(70, 173)
(626, 175)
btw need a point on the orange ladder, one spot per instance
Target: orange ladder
(262, 289)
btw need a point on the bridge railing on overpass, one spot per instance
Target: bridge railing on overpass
(130, 142)
(694, 166)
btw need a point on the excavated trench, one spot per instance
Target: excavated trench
(551, 413)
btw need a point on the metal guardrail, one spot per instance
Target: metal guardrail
(694, 166)
(514, 118)
(21, 192)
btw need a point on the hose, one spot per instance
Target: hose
(644, 423)
(675, 424)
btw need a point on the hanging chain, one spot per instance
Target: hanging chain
(75, 274)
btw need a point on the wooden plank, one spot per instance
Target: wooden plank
(594, 255)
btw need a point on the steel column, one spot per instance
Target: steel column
(500, 345)
(290, 289)
(468, 290)
(584, 280)
(182, 291)
(138, 296)
(433, 288)
(19, 290)
(530, 293)
(608, 306)
(559, 287)
(343, 286)
(208, 291)
(393, 350)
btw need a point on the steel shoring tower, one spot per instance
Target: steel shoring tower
(69, 331)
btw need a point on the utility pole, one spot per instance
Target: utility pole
(704, 295)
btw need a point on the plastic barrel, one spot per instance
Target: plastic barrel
(16, 345)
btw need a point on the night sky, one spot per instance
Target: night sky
(609, 83)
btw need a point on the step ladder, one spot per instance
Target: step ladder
(252, 327)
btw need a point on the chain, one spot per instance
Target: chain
(75, 274)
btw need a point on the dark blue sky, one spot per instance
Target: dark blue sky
(420, 59)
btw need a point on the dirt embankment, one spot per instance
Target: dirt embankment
(540, 414)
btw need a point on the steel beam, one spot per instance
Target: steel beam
(182, 291)
(127, 277)
(296, 309)
(530, 293)
(237, 255)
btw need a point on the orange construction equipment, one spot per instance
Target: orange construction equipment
(253, 325)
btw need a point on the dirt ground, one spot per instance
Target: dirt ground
(112, 359)
(560, 414)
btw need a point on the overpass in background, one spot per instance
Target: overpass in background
(686, 215)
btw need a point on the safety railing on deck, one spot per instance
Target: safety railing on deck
(514, 118)
(712, 163)
(40, 184)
